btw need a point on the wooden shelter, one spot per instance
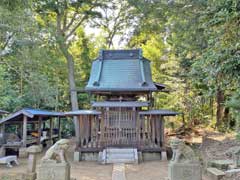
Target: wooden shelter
(124, 114)
(30, 127)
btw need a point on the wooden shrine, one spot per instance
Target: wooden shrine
(123, 114)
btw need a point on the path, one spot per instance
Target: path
(118, 172)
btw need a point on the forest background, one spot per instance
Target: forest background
(47, 46)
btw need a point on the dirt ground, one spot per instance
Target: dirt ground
(213, 147)
(154, 170)
(80, 170)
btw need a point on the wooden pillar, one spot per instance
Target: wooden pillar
(80, 134)
(102, 133)
(39, 130)
(158, 129)
(24, 135)
(153, 120)
(2, 129)
(59, 128)
(51, 131)
(162, 131)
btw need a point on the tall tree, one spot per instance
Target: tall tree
(65, 17)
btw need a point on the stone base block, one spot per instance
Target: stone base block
(89, 156)
(220, 164)
(22, 153)
(164, 156)
(52, 171)
(183, 171)
(150, 156)
(76, 156)
(215, 174)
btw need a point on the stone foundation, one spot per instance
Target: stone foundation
(88, 156)
(184, 171)
(52, 170)
(150, 156)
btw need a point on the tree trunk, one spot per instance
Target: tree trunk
(72, 85)
(220, 107)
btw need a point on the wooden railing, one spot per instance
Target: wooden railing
(123, 128)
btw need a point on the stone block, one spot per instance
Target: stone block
(22, 152)
(184, 171)
(89, 156)
(220, 164)
(149, 156)
(140, 157)
(52, 171)
(215, 174)
(76, 156)
(164, 156)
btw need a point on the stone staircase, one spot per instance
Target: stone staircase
(118, 155)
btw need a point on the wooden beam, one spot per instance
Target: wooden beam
(24, 135)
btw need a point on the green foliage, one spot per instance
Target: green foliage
(193, 45)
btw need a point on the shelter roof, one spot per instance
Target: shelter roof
(121, 70)
(162, 112)
(82, 112)
(120, 104)
(31, 113)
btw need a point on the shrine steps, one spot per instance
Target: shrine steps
(118, 155)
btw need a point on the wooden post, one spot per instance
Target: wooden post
(162, 129)
(24, 135)
(2, 130)
(59, 128)
(80, 137)
(39, 130)
(51, 131)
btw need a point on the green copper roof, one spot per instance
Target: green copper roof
(120, 70)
